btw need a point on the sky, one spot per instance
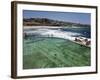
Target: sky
(83, 18)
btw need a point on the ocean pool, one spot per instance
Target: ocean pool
(51, 52)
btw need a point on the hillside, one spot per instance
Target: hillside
(50, 22)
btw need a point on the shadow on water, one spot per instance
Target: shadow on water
(34, 39)
(31, 39)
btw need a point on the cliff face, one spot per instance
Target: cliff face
(49, 22)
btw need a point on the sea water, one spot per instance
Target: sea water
(59, 32)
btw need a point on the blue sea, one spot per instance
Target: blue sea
(84, 32)
(62, 32)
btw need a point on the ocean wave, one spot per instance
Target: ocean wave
(60, 34)
(54, 33)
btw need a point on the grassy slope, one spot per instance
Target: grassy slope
(50, 52)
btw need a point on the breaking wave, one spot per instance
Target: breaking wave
(58, 33)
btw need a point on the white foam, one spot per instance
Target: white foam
(54, 33)
(60, 34)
